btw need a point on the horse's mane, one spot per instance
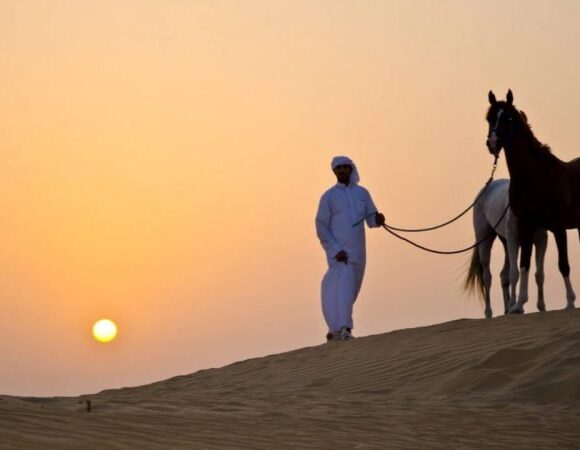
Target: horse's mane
(536, 146)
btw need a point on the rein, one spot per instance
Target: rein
(391, 229)
(450, 252)
(435, 227)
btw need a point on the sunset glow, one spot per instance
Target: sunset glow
(162, 163)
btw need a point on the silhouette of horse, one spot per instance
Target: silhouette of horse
(544, 191)
(487, 212)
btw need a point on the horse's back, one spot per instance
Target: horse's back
(573, 169)
(491, 205)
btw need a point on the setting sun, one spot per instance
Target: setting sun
(104, 330)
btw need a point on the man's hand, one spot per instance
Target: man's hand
(379, 219)
(341, 256)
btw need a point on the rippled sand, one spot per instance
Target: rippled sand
(510, 382)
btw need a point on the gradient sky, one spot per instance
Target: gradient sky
(162, 163)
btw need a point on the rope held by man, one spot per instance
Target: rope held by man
(393, 230)
(450, 252)
(435, 227)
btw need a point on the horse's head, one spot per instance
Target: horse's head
(502, 118)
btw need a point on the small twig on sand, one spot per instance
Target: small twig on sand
(87, 402)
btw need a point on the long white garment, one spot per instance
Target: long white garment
(340, 287)
(340, 207)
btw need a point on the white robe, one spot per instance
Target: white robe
(340, 207)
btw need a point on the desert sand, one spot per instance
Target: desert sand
(509, 382)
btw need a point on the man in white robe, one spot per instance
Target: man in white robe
(342, 211)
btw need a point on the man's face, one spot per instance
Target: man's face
(343, 172)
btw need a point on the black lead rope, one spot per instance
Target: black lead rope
(452, 252)
(435, 227)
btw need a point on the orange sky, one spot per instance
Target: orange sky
(162, 163)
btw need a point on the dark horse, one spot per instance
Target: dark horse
(544, 191)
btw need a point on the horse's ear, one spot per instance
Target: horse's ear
(491, 97)
(510, 97)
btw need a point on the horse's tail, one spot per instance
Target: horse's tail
(474, 281)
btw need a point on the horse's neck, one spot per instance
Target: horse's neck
(523, 168)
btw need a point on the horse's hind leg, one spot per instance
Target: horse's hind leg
(540, 244)
(564, 266)
(485, 260)
(505, 277)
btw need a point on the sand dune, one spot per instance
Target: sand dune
(510, 382)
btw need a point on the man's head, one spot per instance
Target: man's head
(345, 170)
(343, 173)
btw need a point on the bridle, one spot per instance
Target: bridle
(494, 132)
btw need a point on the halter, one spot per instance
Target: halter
(494, 133)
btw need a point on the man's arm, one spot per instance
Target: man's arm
(323, 217)
(374, 218)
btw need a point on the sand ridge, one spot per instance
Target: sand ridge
(509, 382)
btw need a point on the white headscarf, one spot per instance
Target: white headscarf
(339, 160)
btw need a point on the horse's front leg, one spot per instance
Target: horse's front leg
(505, 277)
(526, 235)
(564, 265)
(513, 247)
(540, 245)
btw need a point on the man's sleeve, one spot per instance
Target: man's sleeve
(370, 209)
(323, 217)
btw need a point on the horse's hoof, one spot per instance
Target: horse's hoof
(570, 307)
(516, 310)
(488, 314)
(541, 307)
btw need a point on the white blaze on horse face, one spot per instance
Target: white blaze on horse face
(492, 140)
(499, 113)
